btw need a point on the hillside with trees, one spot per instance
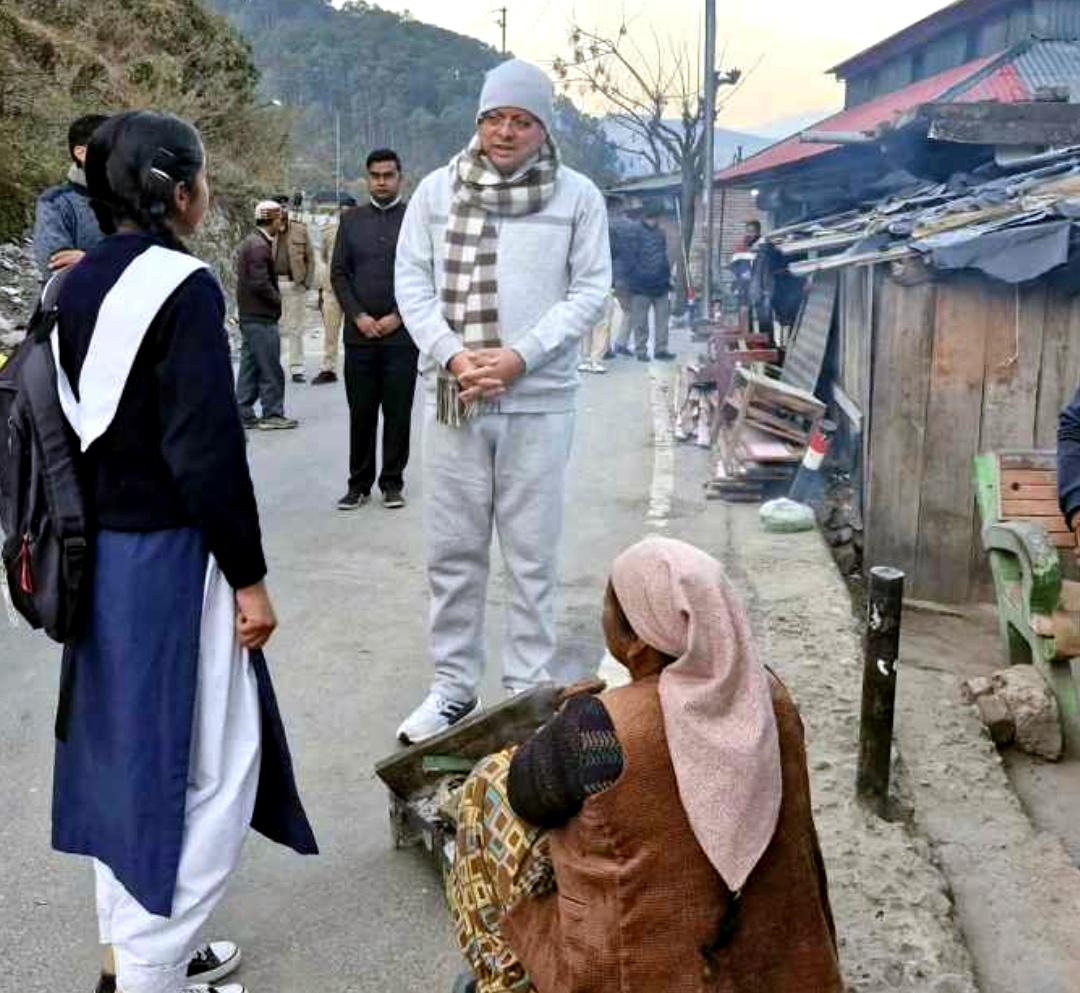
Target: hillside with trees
(388, 80)
(63, 58)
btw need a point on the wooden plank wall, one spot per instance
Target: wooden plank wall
(903, 349)
(961, 366)
(854, 333)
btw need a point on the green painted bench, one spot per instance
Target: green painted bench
(1025, 536)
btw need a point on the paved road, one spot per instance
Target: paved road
(350, 660)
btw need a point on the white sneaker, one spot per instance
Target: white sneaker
(584, 367)
(435, 715)
(213, 961)
(598, 367)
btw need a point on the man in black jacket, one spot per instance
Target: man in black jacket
(380, 357)
(258, 301)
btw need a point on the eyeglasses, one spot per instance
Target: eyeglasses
(518, 123)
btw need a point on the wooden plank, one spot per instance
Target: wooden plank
(903, 337)
(969, 312)
(802, 365)
(1030, 491)
(474, 738)
(1051, 525)
(1062, 540)
(1014, 348)
(854, 331)
(1018, 507)
(1029, 477)
(1042, 460)
(1060, 372)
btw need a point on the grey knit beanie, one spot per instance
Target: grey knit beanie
(519, 84)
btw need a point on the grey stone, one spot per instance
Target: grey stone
(1033, 708)
(977, 686)
(995, 714)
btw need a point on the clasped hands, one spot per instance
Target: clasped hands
(486, 373)
(381, 328)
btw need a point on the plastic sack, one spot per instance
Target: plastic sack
(785, 516)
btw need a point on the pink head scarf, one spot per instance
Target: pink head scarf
(715, 697)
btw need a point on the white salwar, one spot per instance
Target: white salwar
(152, 952)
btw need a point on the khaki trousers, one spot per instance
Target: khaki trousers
(332, 317)
(293, 316)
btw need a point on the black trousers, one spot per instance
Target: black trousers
(379, 377)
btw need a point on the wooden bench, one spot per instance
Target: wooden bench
(1025, 536)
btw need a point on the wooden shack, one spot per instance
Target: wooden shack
(946, 367)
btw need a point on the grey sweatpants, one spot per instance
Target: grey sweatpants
(502, 473)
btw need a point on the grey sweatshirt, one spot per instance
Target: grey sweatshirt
(554, 275)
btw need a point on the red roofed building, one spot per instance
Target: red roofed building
(1006, 51)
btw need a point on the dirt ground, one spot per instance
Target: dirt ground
(1002, 828)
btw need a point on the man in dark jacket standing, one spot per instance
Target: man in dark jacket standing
(380, 357)
(650, 282)
(65, 227)
(259, 304)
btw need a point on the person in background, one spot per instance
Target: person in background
(380, 357)
(595, 344)
(258, 302)
(503, 264)
(659, 836)
(623, 238)
(751, 236)
(650, 282)
(295, 263)
(329, 306)
(169, 743)
(65, 227)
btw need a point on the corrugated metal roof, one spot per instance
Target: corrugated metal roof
(1004, 85)
(1051, 63)
(864, 117)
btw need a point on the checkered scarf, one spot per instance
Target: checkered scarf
(470, 295)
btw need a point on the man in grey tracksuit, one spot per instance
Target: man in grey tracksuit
(502, 265)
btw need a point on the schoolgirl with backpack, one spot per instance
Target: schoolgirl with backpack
(131, 533)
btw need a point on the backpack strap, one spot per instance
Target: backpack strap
(37, 379)
(123, 320)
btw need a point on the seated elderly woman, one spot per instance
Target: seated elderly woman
(656, 838)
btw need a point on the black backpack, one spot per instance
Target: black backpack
(45, 549)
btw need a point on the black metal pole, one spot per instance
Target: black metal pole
(881, 649)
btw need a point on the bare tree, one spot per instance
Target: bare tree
(657, 97)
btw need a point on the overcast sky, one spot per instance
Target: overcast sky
(795, 40)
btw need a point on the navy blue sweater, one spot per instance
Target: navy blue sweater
(174, 456)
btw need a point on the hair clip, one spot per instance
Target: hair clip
(161, 174)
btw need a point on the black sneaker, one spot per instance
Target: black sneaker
(250, 423)
(324, 377)
(105, 984)
(664, 356)
(622, 350)
(352, 501)
(393, 500)
(643, 356)
(213, 961)
(276, 422)
(299, 377)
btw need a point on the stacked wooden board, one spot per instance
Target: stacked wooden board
(768, 426)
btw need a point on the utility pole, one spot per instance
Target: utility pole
(337, 159)
(710, 144)
(501, 21)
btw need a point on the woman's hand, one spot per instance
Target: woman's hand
(255, 617)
